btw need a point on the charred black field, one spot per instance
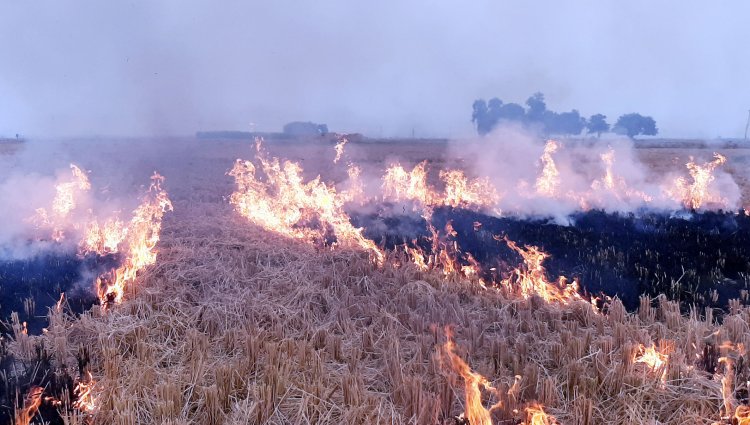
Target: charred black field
(696, 258)
(29, 287)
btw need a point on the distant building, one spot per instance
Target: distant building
(301, 128)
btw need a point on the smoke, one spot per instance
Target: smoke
(49, 203)
(536, 177)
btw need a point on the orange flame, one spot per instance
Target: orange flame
(615, 184)
(549, 181)
(339, 149)
(143, 233)
(651, 357)
(474, 412)
(532, 280)
(31, 404)
(696, 193)
(285, 204)
(537, 416)
(85, 401)
(63, 203)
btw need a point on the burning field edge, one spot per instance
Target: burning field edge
(233, 326)
(275, 308)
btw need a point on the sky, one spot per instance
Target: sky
(384, 68)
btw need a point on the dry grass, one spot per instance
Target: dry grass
(236, 326)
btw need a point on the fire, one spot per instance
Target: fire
(104, 239)
(64, 200)
(31, 404)
(695, 194)
(614, 184)
(548, 182)
(531, 278)
(655, 360)
(475, 412)
(537, 416)
(460, 191)
(339, 149)
(85, 401)
(355, 191)
(402, 185)
(63, 203)
(287, 205)
(141, 238)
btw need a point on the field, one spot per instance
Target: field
(237, 325)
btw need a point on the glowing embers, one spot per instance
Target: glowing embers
(284, 203)
(698, 193)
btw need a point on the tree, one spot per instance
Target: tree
(537, 107)
(597, 124)
(479, 116)
(634, 124)
(564, 123)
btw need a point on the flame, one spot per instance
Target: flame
(287, 205)
(63, 203)
(655, 360)
(548, 182)
(355, 191)
(531, 278)
(695, 194)
(614, 184)
(85, 401)
(400, 185)
(104, 239)
(474, 412)
(340, 149)
(462, 192)
(31, 404)
(537, 416)
(64, 200)
(141, 238)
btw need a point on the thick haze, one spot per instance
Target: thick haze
(382, 68)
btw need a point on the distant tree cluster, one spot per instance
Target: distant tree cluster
(488, 115)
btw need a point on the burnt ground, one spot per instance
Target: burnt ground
(685, 256)
(29, 287)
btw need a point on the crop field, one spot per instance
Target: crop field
(247, 294)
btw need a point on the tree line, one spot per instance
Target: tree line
(488, 115)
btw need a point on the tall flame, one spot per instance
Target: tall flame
(63, 203)
(339, 149)
(287, 205)
(548, 182)
(474, 411)
(696, 193)
(532, 280)
(143, 233)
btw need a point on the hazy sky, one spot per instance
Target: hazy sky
(379, 67)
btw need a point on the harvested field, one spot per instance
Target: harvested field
(237, 325)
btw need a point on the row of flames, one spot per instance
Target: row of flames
(275, 196)
(134, 241)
